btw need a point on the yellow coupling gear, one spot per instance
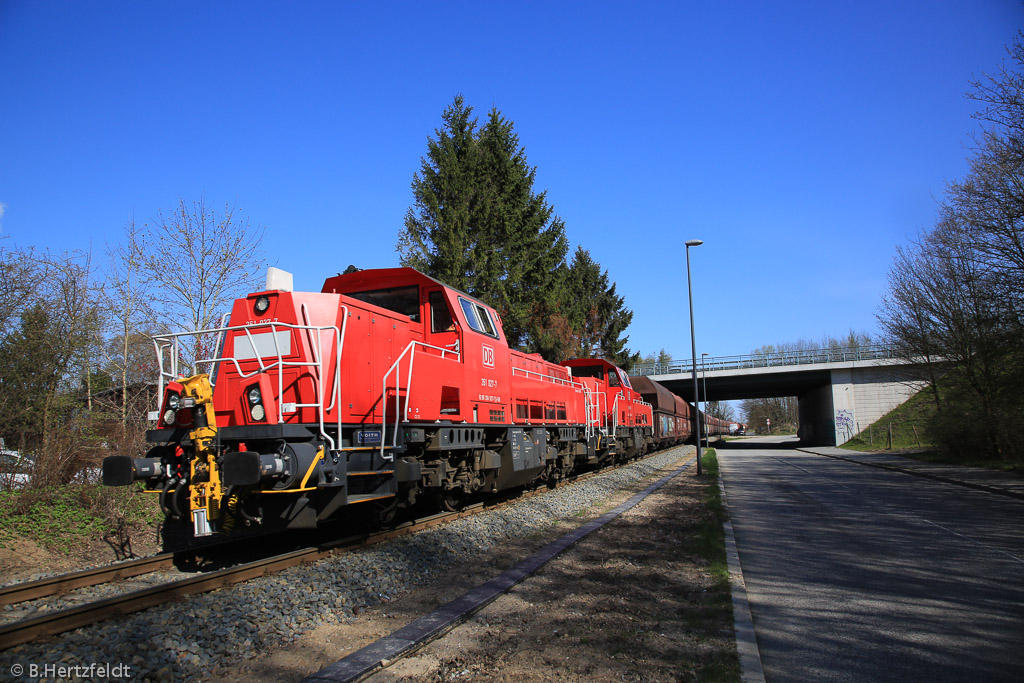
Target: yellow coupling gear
(207, 493)
(231, 513)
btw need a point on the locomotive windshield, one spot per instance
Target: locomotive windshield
(478, 317)
(403, 300)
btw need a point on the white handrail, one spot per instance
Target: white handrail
(404, 413)
(615, 413)
(335, 391)
(598, 421)
(533, 374)
(172, 342)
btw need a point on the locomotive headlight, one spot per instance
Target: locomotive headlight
(262, 304)
(173, 401)
(256, 410)
(169, 417)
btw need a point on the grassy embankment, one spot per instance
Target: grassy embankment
(708, 543)
(910, 429)
(908, 426)
(63, 519)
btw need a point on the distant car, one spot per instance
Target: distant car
(15, 469)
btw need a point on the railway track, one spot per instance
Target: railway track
(60, 621)
(97, 576)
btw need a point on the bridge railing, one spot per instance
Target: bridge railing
(769, 360)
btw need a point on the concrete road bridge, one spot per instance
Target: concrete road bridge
(840, 391)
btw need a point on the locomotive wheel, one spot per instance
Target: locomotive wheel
(449, 501)
(385, 511)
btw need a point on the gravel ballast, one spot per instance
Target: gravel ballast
(207, 634)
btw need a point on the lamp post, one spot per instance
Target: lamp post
(693, 350)
(704, 372)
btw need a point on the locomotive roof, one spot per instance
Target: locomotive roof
(589, 363)
(380, 278)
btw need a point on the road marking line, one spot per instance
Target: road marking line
(978, 543)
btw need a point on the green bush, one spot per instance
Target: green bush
(61, 517)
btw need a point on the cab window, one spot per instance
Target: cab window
(440, 316)
(403, 300)
(595, 371)
(613, 379)
(478, 317)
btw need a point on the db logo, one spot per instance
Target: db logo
(488, 356)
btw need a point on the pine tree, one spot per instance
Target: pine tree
(522, 243)
(437, 238)
(478, 225)
(597, 315)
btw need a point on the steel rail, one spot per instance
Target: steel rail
(63, 583)
(55, 585)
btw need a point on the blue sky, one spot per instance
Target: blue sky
(802, 141)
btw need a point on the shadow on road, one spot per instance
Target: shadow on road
(775, 443)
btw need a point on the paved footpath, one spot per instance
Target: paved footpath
(1004, 483)
(859, 573)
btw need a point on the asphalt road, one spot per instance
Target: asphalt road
(860, 574)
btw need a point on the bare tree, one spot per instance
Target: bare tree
(1001, 93)
(21, 275)
(944, 301)
(197, 260)
(905, 318)
(722, 410)
(989, 206)
(780, 410)
(44, 355)
(128, 312)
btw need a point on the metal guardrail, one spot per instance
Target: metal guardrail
(769, 360)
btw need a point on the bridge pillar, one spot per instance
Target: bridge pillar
(817, 425)
(856, 397)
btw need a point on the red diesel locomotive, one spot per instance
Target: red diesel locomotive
(385, 387)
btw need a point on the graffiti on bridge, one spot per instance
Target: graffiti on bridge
(844, 422)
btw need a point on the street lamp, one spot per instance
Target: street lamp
(704, 372)
(693, 349)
